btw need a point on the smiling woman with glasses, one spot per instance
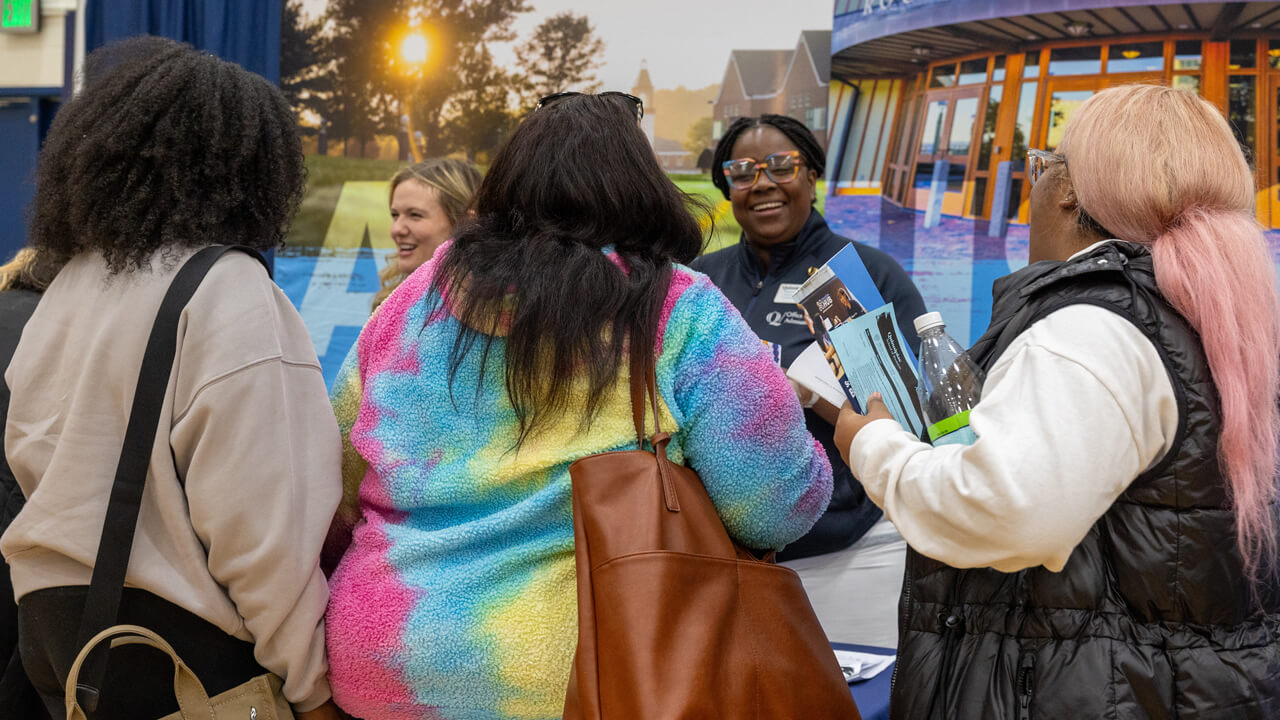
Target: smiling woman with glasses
(768, 170)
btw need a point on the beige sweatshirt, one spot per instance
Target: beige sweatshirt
(250, 428)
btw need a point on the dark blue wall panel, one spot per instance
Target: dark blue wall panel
(242, 31)
(23, 121)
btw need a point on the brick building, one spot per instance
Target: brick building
(786, 82)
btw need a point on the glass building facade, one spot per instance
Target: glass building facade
(975, 112)
(934, 104)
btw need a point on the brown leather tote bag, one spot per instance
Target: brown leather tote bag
(675, 619)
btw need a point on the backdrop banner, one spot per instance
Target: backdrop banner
(242, 31)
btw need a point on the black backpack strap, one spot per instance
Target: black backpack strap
(102, 605)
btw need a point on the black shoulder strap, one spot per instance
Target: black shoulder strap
(102, 604)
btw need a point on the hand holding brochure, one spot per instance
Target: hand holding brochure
(864, 348)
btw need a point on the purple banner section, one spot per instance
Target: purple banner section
(870, 19)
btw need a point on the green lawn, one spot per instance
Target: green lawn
(725, 229)
(326, 175)
(323, 171)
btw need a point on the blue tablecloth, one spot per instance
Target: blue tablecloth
(871, 695)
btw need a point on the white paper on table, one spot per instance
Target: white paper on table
(811, 369)
(858, 666)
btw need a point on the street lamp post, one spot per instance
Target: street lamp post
(413, 51)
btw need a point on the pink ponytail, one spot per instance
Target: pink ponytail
(1161, 167)
(1214, 268)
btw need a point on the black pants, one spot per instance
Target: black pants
(139, 681)
(18, 699)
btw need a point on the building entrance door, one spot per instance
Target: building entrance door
(1065, 95)
(1062, 98)
(21, 131)
(950, 121)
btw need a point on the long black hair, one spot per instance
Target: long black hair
(799, 135)
(576, 177)
(165, 147)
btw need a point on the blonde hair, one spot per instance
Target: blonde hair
(455, 182)
(1161, 167)
(23, 272)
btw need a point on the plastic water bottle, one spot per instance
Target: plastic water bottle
(950, 383)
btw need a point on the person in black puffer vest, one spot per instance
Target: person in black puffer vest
(851, 562)
(1107, 546)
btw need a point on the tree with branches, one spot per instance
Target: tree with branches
(563, 54)
(479, 115)
(303, 79)
(699, 135)
(374, 86)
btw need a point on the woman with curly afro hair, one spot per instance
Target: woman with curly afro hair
(166, 151)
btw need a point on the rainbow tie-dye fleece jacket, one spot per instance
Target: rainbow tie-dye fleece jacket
(456, 597)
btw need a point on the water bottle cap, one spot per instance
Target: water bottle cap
(929, 320)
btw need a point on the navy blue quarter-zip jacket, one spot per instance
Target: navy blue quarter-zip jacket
(766, 305)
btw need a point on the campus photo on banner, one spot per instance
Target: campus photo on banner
(381, 86)
(934, 104)
(926, 133)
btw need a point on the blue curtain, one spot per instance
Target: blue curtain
(242, 31)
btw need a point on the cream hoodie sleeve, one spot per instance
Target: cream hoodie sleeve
(259, 449)
(1073, 411)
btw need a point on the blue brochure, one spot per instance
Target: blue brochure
(847, 266)
(859, 335)
(876, 358)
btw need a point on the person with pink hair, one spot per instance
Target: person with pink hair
(1107, 546)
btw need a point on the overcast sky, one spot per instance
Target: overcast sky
(686, 42)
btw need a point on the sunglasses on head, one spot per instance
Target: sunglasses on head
(781, 167)
(1038, 161)
(552, 98)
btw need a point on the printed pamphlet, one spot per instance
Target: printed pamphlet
(859, 336)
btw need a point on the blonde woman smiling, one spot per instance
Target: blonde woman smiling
(428, 200)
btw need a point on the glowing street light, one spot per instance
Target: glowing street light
(413, 49)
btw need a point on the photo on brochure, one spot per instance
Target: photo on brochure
(864, 349)
(834, 294)
(826, 308)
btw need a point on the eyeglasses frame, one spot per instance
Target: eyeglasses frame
(759, 165)
(1038, 161)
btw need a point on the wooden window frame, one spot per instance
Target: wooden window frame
(897, 174)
